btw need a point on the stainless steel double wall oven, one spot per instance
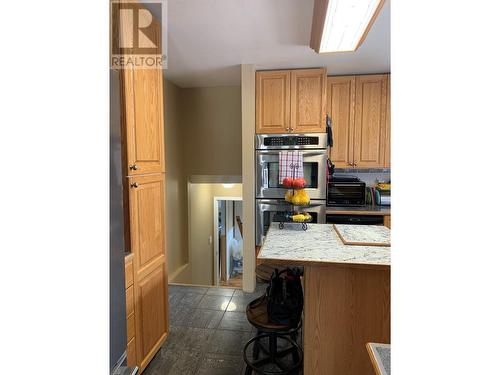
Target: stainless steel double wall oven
(269, 192)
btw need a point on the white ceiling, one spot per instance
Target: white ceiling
(209, 39)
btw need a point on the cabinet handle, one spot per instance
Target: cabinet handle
(134, 185)
(134, 167)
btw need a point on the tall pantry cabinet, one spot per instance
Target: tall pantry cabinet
(144, 191)
(144, 203)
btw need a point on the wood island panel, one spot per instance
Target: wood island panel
(344, 308)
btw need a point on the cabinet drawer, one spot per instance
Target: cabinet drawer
(129, 274)
(130, 327)
(131, 356)
(129, 300)
(387, 221)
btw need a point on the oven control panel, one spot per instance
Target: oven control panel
(291, 141)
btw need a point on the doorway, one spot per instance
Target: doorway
(228, 242)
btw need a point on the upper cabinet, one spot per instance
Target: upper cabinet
(340, 99)
(272, 101)
(143, 98)
(308, 100)
(290, 101)
(387, 157)
(359, 107)
(370, 120)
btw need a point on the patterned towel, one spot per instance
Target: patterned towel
(291, 165)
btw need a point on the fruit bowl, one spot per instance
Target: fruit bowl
(302, 217)
(293, 217)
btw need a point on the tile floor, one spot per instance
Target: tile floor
(208, 330)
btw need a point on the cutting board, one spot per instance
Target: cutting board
(363, 235)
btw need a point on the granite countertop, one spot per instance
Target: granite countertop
(319, 244)
(380, 355)
(363, 210)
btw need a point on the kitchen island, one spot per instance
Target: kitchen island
(346, 295)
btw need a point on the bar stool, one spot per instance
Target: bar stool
(257, 316)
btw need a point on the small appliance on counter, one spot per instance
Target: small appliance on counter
(345, 190)
(380, 194)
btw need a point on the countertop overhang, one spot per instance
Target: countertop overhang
(318, 245)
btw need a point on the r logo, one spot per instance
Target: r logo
(134, 24)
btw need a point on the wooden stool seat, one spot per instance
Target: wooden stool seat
(257, 316)
(264, 271)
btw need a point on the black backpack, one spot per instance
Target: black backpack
(285, 299)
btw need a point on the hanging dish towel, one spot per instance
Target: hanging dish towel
(291, 165)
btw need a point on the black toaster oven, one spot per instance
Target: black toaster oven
(344, 191)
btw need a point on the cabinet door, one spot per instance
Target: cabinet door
(152, 313)
(370, 120)
(272, 102)
(387, 221)
(147, 222)
(340, 107)
(308, 100)
(143, 101)
(387, 157)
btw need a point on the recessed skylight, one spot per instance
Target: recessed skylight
(346, 23)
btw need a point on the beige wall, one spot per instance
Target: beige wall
(201, 229)
(212, 130)
(176, 190)
(202, 137)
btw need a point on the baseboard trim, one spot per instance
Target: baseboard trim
(177, 272)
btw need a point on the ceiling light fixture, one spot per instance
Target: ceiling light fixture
(342, 25)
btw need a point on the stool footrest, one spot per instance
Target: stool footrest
(274, 356)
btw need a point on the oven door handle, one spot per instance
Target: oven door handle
(342, 184)
(264, 174)
(265, 177)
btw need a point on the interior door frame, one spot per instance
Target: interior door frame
(215, 242)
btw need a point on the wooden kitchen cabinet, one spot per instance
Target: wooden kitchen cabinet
(143, 121)
(130, 310)
(340, 99)
(387, 221)
(359, 107)
(370, 120)
(308, 101)
(147, 234)
(151, 310)
(143, 158)
(147, 221)
(272, 101)
(387, 147)
(290, 101)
